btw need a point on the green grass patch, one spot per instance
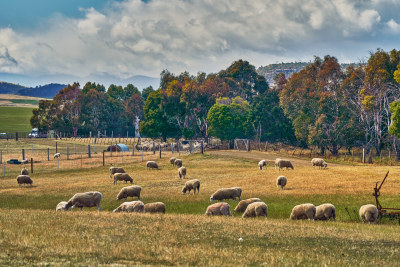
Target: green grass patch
(15, 119)
(23, 101)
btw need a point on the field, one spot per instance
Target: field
(15, 119)
(32, 233)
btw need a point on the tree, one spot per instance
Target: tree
(44, 116)
(146, 91)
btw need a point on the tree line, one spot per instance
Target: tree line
(322, 105)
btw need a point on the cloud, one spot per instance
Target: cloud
(135, 37)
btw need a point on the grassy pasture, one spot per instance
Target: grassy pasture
(15, 119)
(31, 232)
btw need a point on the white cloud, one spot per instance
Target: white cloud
(133, 37)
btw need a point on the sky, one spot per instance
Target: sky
(62, 40)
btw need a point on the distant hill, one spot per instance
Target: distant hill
(10, 88)
(45, 91)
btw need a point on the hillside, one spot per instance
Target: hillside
(45, 91)
(10, 88)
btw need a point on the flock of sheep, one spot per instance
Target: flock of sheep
(252, 207)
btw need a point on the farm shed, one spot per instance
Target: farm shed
(118, 147)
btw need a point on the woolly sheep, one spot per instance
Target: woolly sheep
(87, 199)
(182, 172)
(129, 191)
(285, 164)
(319, 162)
(122, 177)
(368, 213)
(132, 206)
(262, 163)
(116, 170)
(57, 155)
(241, 207)
(303, 211)
(276, 162)
(156, 207)
(256, 209)
(325, 212)
(227, 193)
(24, 171)
(281, 182)
(151, 165)
(61, 205)
(24, 161)
(191, 185)
(172, 160)
(24, 179)
(178, 163)
(220, 208)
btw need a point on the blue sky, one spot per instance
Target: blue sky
(63, 40)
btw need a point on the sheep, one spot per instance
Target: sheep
(60, 206)
(172, 160)
(276, 162)
(87, 199)
(221, 208)
(281, 182)
(132, 206)
(241, 207)
(24, 161)
(303, 211)
(369, 213)
(319, 162)
(57, 155)
(285, 164)
(182, 172)
(256, 209)
(24, 171)
(24, 179)
(262, 163)
(156, 207)
(227, 193)
(178, 163)
(129, 191)
(151, 165)
(122, 177)
(191, 184)
(325, 212)
(116, 170)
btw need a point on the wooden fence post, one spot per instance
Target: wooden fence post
(89, 155)
(103, 158)
(31, 165)
(23, 154)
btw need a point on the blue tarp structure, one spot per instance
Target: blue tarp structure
(118, 147)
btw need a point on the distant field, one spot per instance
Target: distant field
(19, 101)
(15, 119)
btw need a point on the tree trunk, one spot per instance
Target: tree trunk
(396, 147)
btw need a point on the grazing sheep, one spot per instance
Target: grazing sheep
(178, 163)
(262, 163)
(241, 207)
(182, 172)
(221, 208)
(281, 182)
(24, 179)
(24, 161)
(319, 162)
(122, 177)
(116, 170)
(156, 207)
(285, 164)
(227, 193)
(368, 213)
(303, 212)
(191, 185)
(57, 155)
(172, 160)
(61, 205)
(129, 191)
(325, 212)
(132, 206)
(87, 199)
(151, 165)
(256, 209)
(24, 171)
(276, 162)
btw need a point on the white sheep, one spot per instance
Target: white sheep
(281, 181)
(24, 161)
(285, 164)
(276, 162)
(369, 213)
(132, 206)
(57, 155)
(172, 160)
(319, 162)
(156, 207)
(227, 193)
(122, 177)
(178, 163)
(151, 165)
(182, 172)
(325, 212)
(24, 179)
(262, 163)
(191, 185)
(24, 171)
(303, 212)
(87, 199)
(220, 208)
(116, 170)
(61, 205)
(129, 191)
(256, 209)
(242, 205)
